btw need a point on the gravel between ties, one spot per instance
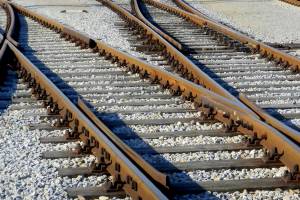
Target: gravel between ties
(23, 174)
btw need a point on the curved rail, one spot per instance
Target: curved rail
(290, 132)
(174, 56)
(213, 105)
(293, 2)
(164, 35)
(8, 36)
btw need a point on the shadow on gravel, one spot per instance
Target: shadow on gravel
(8, 87)
(126, 133)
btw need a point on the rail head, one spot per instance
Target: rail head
(119, 165)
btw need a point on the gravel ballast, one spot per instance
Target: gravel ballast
(275, 21)
(188, 141)
(23, 174)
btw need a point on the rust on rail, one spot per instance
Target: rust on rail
(175, 57)
(8, 35)
(120, 165)
(293, 2)
(201, 20)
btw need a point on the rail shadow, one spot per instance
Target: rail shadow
(8, 87)
(122, 130)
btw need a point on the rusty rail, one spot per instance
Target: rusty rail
(8, 36)
(175, 57)
(164, 35)
(10, 22)
(290, 132)
(293, 2)
(198, 18)
(119, 165)
(212, 104)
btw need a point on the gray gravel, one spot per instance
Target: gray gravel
(23, 174)
(275, 21)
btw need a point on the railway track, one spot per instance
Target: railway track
(146, 118)
(190, 6)
(225, 65)
(152, 110)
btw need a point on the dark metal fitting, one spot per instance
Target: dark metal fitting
(31, 83)
(53, 110)
(102, 52)
(144, 74)
(114, 59)
(48, 102)
(42, 95)
(176, 92)
(95, 49)
(117, 184)
(37, 89)
(190, 97)
(71, 134)
(273, 155)
(254, 140)
(108, 56)
(292, 175)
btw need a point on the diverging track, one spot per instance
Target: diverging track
(230, 64)
(123, 112)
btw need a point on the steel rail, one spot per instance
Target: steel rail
(126, 59)
(288, 131)
(293, 2)
(119, 165)
(175, 57)
(213, 105)
(164, 35)
(265, 50)
(8, 36)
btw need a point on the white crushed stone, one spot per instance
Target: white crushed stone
(182, 141)
(277, 194)
(203, 156)
(227, 174)
(275, 21)
(22, 172)
(192, 126)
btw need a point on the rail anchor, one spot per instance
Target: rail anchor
(293, 175)
(272, 155)
(253, 140)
